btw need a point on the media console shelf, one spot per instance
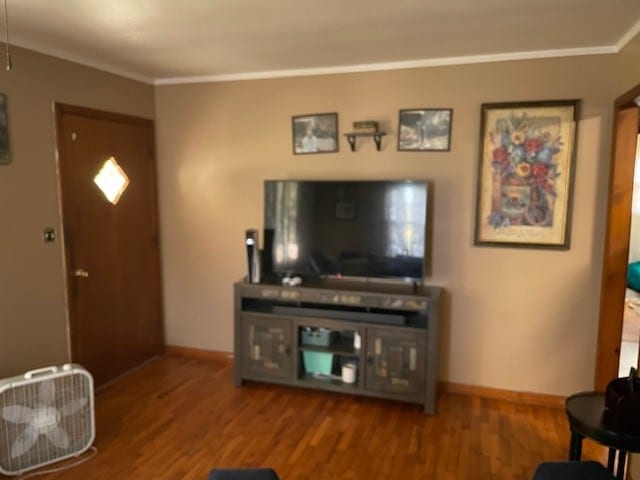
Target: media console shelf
(303, 336)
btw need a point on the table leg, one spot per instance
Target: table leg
(612, 459)
(575, 447)
(622, 456)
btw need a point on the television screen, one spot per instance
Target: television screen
(346, 228)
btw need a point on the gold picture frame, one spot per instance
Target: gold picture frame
(525, 174)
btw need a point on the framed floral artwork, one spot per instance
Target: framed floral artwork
(525, 174)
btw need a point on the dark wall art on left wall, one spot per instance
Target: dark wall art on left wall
(5, 156)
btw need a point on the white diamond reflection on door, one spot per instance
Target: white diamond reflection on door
(111, 180)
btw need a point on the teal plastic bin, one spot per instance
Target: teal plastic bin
(317, 362)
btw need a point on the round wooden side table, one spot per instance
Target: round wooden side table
(588, 418)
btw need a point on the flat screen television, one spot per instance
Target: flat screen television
(346, 228)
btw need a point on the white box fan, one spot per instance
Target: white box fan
(46, 415)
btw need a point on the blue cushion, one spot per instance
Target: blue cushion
(633, 276)
(572, 471)
(243, 474)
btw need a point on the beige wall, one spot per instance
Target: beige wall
(512, 318)
(33, 322)
(518, 319)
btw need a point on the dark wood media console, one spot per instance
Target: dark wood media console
(304, 335)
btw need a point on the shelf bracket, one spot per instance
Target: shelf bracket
(352, 141)
(377, 138)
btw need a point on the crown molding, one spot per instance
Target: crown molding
(334, 70)
(627, 37)
(376, 67)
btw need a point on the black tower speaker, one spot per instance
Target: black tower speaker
(251, 241)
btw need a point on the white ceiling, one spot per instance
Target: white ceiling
(168, 41)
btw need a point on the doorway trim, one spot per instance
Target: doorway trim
(626, 115)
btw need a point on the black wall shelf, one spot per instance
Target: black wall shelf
(377, 138)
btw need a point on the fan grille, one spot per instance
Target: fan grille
(79, 425)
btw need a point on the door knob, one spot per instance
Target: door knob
(80, 272)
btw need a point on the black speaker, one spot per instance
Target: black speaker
(251, 241)
(267, 253)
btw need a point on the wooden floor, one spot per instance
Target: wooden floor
(177, 418)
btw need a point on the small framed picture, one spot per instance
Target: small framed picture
(425, 130)
(345, 211)
(317, 133)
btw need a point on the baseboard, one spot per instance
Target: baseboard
(529, 398)
(199, 353)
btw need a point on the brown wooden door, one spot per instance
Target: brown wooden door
(112, 251)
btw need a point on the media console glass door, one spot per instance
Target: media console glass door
(267, 345)
(395, 362)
